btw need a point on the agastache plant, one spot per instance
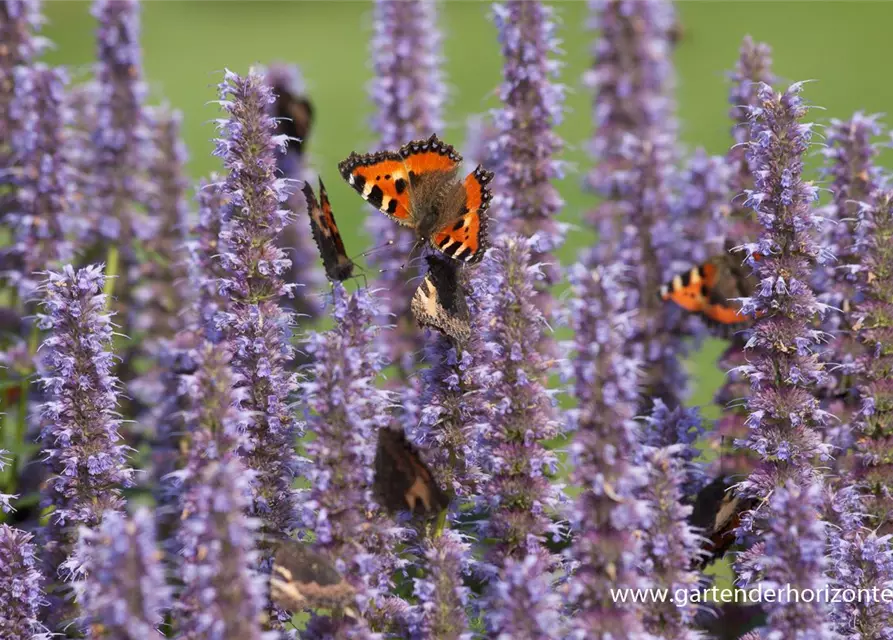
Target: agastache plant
(523, 603)
(45, 205)
(873, 321)
(121, 140)
(82, 449)
(526, 201)
(441, 595)
(257, 329)
(122, 590)
(203, 247)
(408, 92)
(606, 551)
(346, 410)
(21, 597)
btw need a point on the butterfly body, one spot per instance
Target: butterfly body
(419, 187)
(325, 232)
(403, 481)
(713, 290)
(717, 511)
(439, 302)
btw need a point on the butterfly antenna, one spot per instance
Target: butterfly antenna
(418, 243)
(369, 252)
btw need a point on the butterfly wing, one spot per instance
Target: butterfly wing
(303, 579)
(294, 117)
(385, 179)
(465, 238)
(402, 480)
(325, 232)
(717, 512)
(439, 302)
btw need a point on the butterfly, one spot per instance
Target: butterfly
(711, 289)
(294, 117)
(304, 579)
(717, 511)
(402, 480)
(439, 302)
(418, 187)
(328, 239)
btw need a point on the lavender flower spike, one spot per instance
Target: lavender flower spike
(123, 592)
(608, 510)
(525, 200)
(122, 145)
(524, 604)
(257, 329)
(45, 202)
(409, 93)
(784, 413)
(20, 595)
(82, 449)
(222, 595)
(442, 598)
(521, 416)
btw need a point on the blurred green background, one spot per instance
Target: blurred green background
(842, 45)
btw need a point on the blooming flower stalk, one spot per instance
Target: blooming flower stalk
(525, 200)
(45, 205)
(20, 593)
(523, 603)
(204, 244)
(785, 416)
(121, 140)
(345, 412)
(257, 329)
(873, 315)
(608, 511)
(705, 194)
(520, 416)
(122, 592)
(408, 92)
(82, 449)
(442, 597)
(672, 545)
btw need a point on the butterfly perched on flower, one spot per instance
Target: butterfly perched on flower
(303, 579)
(328, 239)
(717, 512)
(713, 290)
(419, 187)
(403, 481)
(439, 302)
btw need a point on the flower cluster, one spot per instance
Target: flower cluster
(609, 510)
(257, 329)
(442, 596)
(81, 445)
(20, 594)
(526, 201)
(122, 590)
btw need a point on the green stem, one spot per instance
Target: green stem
(440, 524)
(111, 270)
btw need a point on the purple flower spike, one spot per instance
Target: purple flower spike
(785, 416)
(346, 410)
(671, 545)
(632, 80)
(681, 427)
(45, 203)
(793, 554)
(20, 595)
(605, 448)
(257, 329)
(121, 139)
(523, 603)
(204, 268)
(520, 413)
(222, 595)
(83, 451)
(122, 590)
(704, 200)
(442, 598)
(525, 200)
(160, 297)
(872, 315)
(409, 93)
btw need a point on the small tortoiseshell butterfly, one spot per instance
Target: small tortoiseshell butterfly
(717, 511)
(294, 117)
(439, 302)
(322, 222)
(418, 187)
(403, 481)
(303, 579)
(711, 289)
